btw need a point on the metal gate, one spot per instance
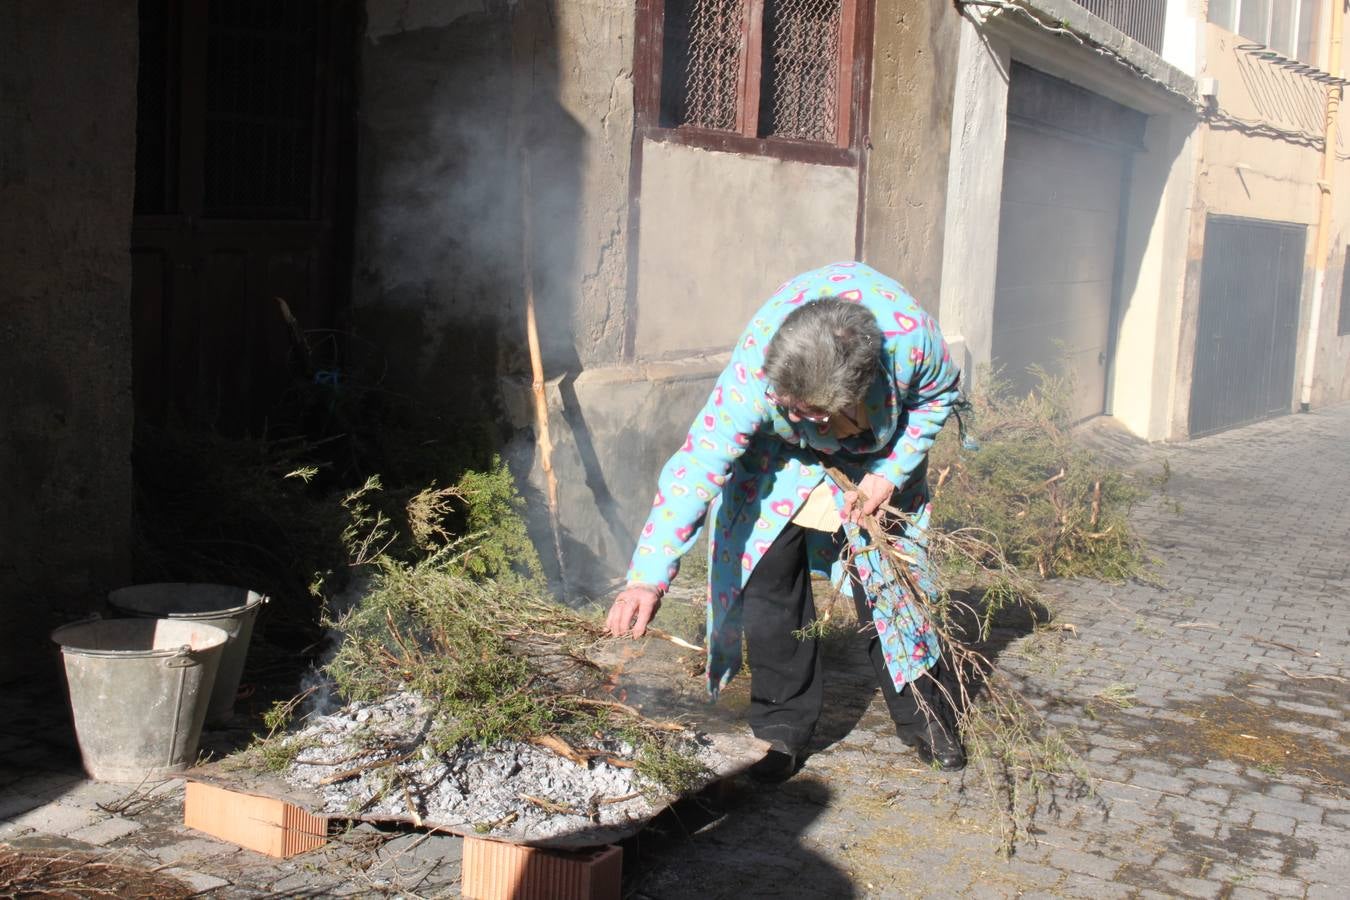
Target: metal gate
(1250, 284)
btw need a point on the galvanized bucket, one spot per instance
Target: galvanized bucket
(230, 608)
(138, 692)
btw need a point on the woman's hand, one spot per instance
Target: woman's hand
(633, 610)
(873, 491)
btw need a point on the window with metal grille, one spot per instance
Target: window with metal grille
(778, 77)
(1285, 26)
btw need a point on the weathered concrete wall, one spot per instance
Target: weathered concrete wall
(974, 193)
(910, 126)
(67, 148)
(1330, 382)
(1258, 177)
(613, 427)
(1153, 270)
(721, 231)
(1152, 279)
(440, 219)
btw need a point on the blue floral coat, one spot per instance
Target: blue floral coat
(747, 469)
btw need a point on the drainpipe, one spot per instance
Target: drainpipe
(1323, 248)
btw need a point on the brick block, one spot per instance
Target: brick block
(265, 824)
(493, 870)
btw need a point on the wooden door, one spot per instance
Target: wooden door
(241, 173)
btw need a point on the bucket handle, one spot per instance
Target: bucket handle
(183, 659)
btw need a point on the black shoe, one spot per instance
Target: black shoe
(935, 745)
(775, 767)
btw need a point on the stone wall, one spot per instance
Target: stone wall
(67, 147)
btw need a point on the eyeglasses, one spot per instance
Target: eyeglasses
(815, 418)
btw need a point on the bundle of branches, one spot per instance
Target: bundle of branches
(33, 872)
(1052, 505)
(465, 623)
(1022, 759)
(1031, 503)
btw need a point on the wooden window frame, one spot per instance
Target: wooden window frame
(854, 87)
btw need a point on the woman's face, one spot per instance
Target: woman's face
(799, 412)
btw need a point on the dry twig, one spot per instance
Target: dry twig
(1018, 751)
(1296, 677)
(358, 770)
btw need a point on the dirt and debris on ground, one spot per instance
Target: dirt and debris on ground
(63, 873)
(1211, 705)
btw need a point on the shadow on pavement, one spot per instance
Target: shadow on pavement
(763, 827)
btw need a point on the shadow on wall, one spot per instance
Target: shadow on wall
(1284, 97)
(66, 173)
(449, 93)
(445, 104)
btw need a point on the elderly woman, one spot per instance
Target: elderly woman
(839, 367)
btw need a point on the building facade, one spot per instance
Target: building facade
(1135, 190)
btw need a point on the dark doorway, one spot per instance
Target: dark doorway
(1250, 283)
(243, 162)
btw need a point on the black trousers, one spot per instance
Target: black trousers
(786, 690)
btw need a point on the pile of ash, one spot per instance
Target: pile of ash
(370, 760)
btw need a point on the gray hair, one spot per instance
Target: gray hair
(825, 354)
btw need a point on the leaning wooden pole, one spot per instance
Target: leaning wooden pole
(523, 51)
(544, 441)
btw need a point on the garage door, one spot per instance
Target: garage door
(1245, 335)
(1065, 166)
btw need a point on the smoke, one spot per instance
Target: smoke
(321, 697)
(440, 220)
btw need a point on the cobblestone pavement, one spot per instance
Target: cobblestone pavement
(1210, 708)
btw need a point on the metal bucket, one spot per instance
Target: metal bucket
(138, 690)
(230, 608)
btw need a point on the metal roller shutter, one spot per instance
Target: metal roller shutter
(1065, 166)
